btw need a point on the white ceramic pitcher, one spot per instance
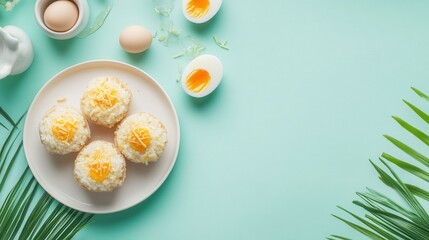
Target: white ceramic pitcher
(16, 51)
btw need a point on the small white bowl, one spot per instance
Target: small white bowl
(82, 19)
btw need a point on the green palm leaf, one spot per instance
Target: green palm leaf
(26, 213)
(4, 114)
(388, 219)
(336, 237)
(364, 231)
(421, 94)
(419, 112)
(407, 167)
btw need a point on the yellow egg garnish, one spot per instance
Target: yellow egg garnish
(139, 138)
(105, 96)
(99, 167)
(63, 128)
(198, 8)
(198, 80)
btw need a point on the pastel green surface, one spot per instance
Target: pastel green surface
(308, 90)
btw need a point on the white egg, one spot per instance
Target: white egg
(202, 76)
(135, 39)
(200, 11)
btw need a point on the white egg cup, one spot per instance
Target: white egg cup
(82, 20)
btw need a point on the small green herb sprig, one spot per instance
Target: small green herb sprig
(9, 4)
(98, 22)
(220, 43)
(190, 47)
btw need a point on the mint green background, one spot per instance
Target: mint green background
(308, 90)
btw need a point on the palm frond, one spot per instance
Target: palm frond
(419, 112)
(386, 218)
(4, 126)
(408, 150)
(364, 231)
(416, 132)
(4, 114)
(336, 237)
(24, 214)
(421, 94)
(407, 167)
(416, 191)
(374, 227)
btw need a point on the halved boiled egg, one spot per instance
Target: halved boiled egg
(200, 11)
(202, 76)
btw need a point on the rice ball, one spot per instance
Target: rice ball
(64, 130)
(141, 137)
(106, 101)
(100, 167)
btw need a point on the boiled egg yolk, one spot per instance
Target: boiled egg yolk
(198, 8)
(99, 168)
(105, 96)
(63, 128)
(139, 139)
(198, 80)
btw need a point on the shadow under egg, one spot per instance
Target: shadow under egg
(202, 29)
(207, 100)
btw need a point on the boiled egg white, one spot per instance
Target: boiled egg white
(202, 76)
(200, 11)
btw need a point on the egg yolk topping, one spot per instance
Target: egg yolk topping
(139, 139)
(63, 128)
(198, 8)
(105, 96)
(99, 168)
(198, 80)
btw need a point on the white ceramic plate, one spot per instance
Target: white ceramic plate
(55, 172)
